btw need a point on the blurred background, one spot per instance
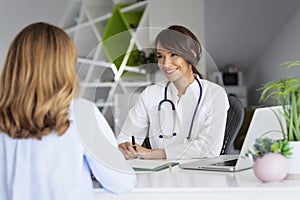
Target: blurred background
(247, 40)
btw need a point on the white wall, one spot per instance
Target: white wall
(285, 47)
(238, 31)
(189, 13)
(16, 14)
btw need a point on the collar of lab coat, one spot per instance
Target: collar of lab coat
(193, 87)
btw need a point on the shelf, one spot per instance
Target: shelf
(139, 6)
(105, 34)
(110, 84)
(136, 84)
(96, 63)
(97, 84)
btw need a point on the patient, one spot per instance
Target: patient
(42, 154)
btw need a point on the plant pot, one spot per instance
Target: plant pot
(271, 167)
(294, 161)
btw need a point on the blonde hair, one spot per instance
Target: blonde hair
(38, 82)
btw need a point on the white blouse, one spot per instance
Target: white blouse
(60, 167)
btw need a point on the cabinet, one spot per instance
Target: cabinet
(239, 91)
(108, 40)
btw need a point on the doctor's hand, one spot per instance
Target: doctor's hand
(128, 151)
(145, 153)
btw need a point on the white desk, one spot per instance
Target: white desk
(203, 185)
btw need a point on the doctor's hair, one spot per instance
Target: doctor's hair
(183, 42)
(38, 82)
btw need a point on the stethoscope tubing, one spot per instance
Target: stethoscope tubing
(166, 100)
(196, 109)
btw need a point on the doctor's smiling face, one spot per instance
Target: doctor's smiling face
(178, 53)
(173, 66)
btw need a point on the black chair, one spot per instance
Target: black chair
(235, 118)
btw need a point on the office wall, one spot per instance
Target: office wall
(238, 31)
(285, 47)
(189, 13)
(15, 14)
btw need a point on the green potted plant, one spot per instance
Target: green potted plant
(286, 93)
(270, 158)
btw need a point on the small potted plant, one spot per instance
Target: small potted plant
(286, 93)
(270, 159)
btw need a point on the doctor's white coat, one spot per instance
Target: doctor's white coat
(208, 128)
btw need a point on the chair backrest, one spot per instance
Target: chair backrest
(235, 118)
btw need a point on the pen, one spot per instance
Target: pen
(133, 143)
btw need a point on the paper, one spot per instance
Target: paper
(150, 165)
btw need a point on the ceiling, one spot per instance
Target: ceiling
(238, 31)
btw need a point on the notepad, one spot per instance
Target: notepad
(150, 165)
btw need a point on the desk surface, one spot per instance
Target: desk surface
(195, 184)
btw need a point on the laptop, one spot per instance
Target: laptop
(263, 120)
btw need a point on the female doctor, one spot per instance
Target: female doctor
(185, 116)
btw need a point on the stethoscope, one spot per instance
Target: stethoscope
(166, 100)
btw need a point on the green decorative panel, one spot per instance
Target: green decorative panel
(117, 35)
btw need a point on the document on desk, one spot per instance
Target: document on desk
(150, 165)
